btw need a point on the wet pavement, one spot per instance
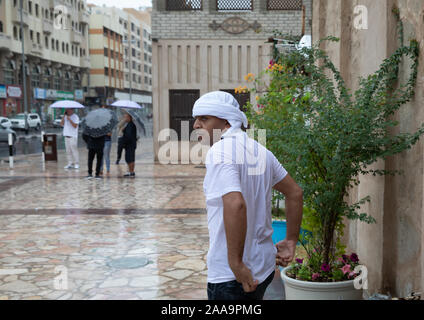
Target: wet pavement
(30, 143)
(64, 237)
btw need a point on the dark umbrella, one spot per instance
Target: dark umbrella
(99, 122)
(137, 121)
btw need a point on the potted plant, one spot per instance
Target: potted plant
(326, 137)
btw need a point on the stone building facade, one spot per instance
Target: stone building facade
(211, 45)
(177, 24)
(393, 248)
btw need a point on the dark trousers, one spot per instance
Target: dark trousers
(91, 154)
(120, 149)
(233, 290)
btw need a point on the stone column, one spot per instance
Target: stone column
(260, 6)
(210, 6)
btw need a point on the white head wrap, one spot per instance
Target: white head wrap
(222, 105)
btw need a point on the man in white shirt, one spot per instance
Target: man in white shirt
(240, 176)
(70, 122)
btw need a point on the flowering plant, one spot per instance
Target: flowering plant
(326, 137)
(312, 269)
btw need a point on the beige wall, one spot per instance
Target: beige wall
(392, 249)
(203, 65)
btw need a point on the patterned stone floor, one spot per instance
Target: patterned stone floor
(63, 237)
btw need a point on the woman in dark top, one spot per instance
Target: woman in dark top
(129, 142)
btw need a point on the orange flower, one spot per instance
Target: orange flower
(250, 77)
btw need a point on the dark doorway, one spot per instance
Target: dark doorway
(180, 108)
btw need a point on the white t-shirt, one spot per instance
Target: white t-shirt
(68, 129)
(239, 164)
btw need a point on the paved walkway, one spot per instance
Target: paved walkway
(63, 237)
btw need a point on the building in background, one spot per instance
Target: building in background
(56, 49)
(106, 35)
(120, 52)
(206, 45)
(143, 15)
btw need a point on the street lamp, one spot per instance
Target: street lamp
(130, 66)
(23, 65)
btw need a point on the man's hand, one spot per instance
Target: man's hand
(285, 252)
(244, 276)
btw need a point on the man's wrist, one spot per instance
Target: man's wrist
(235, 264)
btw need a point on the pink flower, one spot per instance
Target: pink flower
(340, 260)
(346, 268)
(315, 276)
(352, 274)
(271, 62)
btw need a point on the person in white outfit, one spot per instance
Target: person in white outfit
(240, 176)
(70, 123)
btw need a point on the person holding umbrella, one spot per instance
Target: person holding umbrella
(129, 134)
(129, 142)
(70, 122)
(97, 124)
(95, 148)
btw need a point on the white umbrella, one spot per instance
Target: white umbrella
(67, 104)
(126, 104)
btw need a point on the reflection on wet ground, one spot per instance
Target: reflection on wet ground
(31, 144)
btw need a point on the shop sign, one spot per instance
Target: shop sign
(61, 95)
(3, 91)
(65, 95)
(14, 92)
(79, 95)
(39, 93)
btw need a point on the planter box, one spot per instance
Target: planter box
(280, 231)
(304, 290)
